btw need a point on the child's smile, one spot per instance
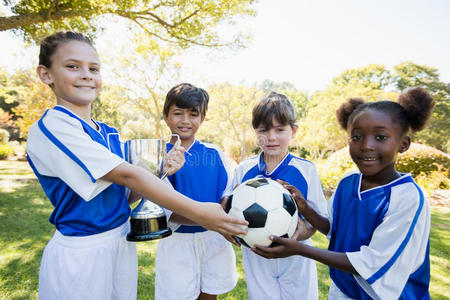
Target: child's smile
(75, 74)
(183, 122)
(375, 141)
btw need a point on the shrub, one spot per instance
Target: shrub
(331, 170)
(423, 159)
(428, 166)
(6, 150)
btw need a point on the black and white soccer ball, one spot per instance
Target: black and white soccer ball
(267, 206)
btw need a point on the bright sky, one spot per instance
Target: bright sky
(308, 42)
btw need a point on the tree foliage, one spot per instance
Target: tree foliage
(177, 22)
(319, 132)
(228, 120)
(24, 99)
(409, 74)
(34, 99)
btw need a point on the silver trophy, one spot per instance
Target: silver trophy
(148, 220)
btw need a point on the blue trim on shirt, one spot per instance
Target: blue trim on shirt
(283, 171)
(100, 136)
(63, 148)
(402, 246)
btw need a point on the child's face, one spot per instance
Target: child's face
(74, 74)
(374, 142)
(274, 141)
(185, 122)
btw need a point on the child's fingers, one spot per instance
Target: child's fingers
(232, 240)
(237, 222)
(179, 150)
(174, 160)
(295, 193)
(292, 189)
(233, 226)
(230, 231)
(178, 142)
(282, 182)
(265, 251)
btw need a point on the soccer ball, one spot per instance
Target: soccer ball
(267, 206)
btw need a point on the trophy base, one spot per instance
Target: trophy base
(147, 229)
(132, 237)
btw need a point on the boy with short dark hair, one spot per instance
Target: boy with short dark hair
(203, 261)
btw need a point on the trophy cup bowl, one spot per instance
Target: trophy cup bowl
(148, 220)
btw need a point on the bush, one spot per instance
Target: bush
(428, 166)
(423, 159)
(6, 150)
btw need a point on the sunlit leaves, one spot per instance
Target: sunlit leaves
(178, 23)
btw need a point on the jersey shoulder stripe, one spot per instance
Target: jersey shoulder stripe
(61, 146)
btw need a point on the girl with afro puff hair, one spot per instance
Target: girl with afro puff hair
(379, 220)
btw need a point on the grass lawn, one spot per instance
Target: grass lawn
(25, 230)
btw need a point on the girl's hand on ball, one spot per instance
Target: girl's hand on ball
(295, 194)
(286, 247)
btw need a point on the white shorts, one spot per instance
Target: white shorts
(99, 266)
(190, 263)
(287, 278)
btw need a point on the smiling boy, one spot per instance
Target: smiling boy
(204, 262)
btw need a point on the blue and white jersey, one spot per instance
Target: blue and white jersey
(204, 177)
(296, 171)
(384, 232)
(69, 157)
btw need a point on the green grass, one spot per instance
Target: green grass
(25, 230)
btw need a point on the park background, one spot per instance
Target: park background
(318, 53)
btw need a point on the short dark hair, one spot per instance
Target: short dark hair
(51, 43)
(274, 106)
(186, 95)
(412, 110)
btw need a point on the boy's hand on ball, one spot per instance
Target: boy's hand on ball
(285, 247)
(295, 194)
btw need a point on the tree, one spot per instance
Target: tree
(407, 75)
(319, 132)
(34, 99)
(23, 100)
(299, 98)
(176, 22)
(228, 120)
(143, 78)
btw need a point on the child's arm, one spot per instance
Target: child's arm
(176, 218)
(318, 221)
(208, 215)
(289, 247)
(133, 197)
